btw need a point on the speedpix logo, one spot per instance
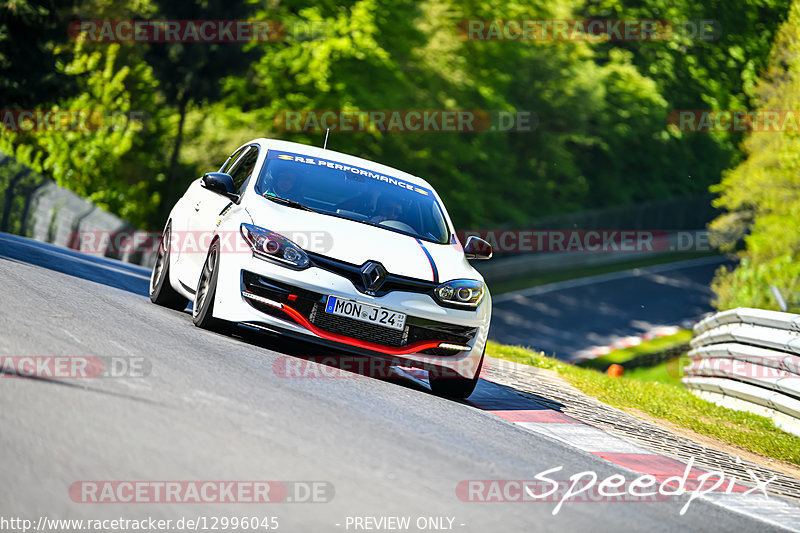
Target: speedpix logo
(587, 487)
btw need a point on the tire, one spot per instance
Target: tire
(203, 308)
(455, 387)
(161, 291)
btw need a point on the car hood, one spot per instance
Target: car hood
(356, 243)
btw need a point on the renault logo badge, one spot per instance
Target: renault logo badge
(373, 275)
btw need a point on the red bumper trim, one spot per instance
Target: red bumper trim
(343, 339)
(389, 350)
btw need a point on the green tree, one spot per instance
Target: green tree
(708, 59)
(601, 136)
(88, 158)
(192, 72)
(762, 194)
(30, 31)
(377, 54)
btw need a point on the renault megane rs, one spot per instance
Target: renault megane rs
(329, 248)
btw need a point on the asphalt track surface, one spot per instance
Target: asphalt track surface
(212, 408)
(568, 318)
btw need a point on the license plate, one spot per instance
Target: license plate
(365, 312)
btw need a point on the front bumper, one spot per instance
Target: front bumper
(266, 295)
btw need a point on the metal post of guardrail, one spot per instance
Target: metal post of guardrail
(26, 209)
(73, 240)
(9, 199)
(776, 292)
(749, 360)
(4, 159)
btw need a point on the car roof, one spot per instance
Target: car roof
(322, 153)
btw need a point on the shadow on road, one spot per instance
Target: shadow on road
(108, 272)
(302, 358)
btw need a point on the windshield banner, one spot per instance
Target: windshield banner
(298, 158)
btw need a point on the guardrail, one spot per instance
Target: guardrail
(36, 207)
(689, 214)
(749, 359)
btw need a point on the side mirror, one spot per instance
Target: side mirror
(220, 183)
(476, 248)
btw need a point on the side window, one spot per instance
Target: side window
(231, 160)
(243, 167)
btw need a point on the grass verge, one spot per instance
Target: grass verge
(623, 355)
(667, 402)
(665, 372)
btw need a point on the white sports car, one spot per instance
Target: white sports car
(331, 248)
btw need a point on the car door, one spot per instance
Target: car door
(208, 207)
(181, 224)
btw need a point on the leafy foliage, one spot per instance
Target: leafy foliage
(600, 108)
(87, 156)
(762, 194)
(29, 30)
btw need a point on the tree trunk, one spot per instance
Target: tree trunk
(173, 179)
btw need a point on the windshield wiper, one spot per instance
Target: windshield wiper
(288, 203)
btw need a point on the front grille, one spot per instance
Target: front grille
(431, 331)
(356, 329)
(312, 306)
(352, 272)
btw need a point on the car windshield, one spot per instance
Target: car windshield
(353, 193)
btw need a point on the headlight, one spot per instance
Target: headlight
(270, 245)
(461, 292)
